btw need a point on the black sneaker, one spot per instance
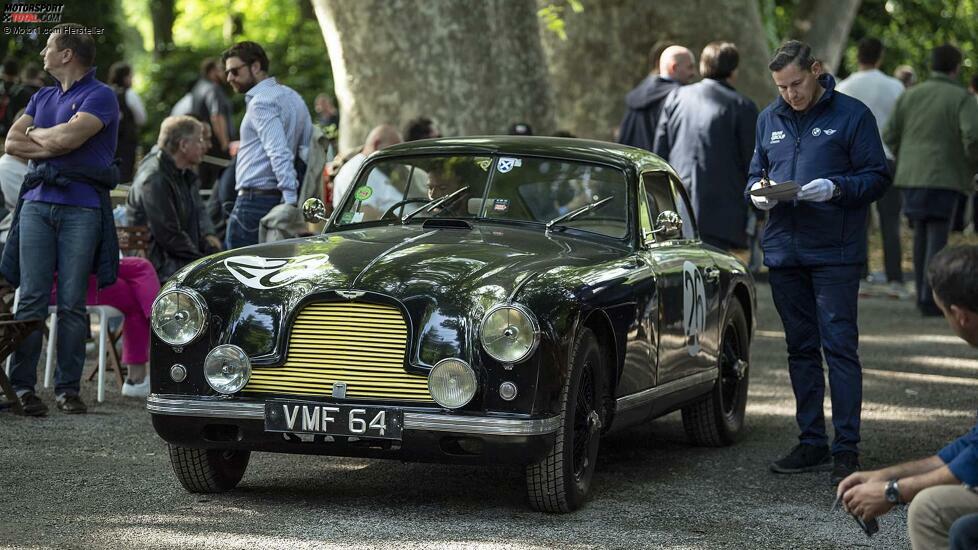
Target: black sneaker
(32, 405)
(71, 404)
(803, 458)
(843, 465)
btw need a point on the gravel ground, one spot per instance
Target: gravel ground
(103, 480)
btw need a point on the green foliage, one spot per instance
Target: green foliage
(909, 29)
(552, 15)
(100, 14)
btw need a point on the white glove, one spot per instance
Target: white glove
(762, 203)
(819, 190)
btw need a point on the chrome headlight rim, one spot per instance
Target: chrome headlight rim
(534, 324)
(197, 300)
(475, 377)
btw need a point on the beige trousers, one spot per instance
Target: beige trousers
(933, 511)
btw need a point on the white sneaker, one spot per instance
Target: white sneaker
(136, 390)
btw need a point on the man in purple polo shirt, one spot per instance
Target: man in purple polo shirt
(69, 132)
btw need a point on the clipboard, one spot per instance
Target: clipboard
(777, 191)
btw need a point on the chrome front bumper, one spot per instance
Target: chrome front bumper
(211, 407)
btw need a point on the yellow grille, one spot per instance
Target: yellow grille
(360, 344)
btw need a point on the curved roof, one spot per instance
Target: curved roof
(585, 150)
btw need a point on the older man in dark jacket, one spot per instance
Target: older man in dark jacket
(165, 197)
(643, 104)
(815, 245)
(706, 131)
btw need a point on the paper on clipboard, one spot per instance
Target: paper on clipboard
(777, 191)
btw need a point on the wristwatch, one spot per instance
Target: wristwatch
(892, 492)
(836, 191)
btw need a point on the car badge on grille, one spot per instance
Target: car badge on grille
(339, 390)
(350, 294)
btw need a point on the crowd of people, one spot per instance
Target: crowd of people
(907, 147)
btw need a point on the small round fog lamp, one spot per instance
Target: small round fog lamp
(452, 383)
(178, 373)
(227, 369)
(507, 390)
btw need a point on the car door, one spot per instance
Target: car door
(687, 283)
(701, 290)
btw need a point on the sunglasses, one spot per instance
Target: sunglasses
(234, 70)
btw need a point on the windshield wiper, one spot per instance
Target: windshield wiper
(579, 211)
(435, 203)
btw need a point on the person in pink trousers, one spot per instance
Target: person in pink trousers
(132, 294)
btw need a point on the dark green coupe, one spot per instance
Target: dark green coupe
(474, 300)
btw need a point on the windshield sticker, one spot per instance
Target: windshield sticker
(694, 306)
(506, 164)
(500, 205)
(267, 273)
(347, 217)
(485, 164)
(357, 217)
(363, 193)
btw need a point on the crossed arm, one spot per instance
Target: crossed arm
(43, 143)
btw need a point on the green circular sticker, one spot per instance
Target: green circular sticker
(363, 193)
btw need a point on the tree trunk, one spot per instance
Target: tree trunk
(474, 67)
(606, 53)
(825, 25)
(163, 14)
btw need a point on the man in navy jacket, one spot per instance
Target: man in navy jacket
(644, 102)
(814, 246)
(939, 488)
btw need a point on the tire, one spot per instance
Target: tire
(208, 471)
(560, 482)
(718, 420)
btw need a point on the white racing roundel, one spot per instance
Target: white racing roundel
(266, 273)
(694, 306)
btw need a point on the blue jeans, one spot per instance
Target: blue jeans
(248, 211)
(818, 308)
(62, 239)
(964, 533)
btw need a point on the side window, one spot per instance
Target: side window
(684, 210)
(658, 193)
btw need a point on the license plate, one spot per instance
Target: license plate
(333, 419)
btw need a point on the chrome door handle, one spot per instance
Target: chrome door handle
(712, 274)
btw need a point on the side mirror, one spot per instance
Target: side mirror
(313, 210)
(668, 224)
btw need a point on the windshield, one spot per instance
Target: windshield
(525, 189)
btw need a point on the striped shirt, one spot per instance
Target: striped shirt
(275, 125)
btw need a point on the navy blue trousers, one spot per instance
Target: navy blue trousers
(818, 308)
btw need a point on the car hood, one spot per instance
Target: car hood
(444, 279)
(399, 261)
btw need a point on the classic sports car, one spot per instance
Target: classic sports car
(477, 300)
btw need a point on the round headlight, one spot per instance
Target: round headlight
(509, 333)
(179, 316)
(227, 368)
(452, 383)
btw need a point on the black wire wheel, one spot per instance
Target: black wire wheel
(560, 482)
(208, 470)
(718, 419)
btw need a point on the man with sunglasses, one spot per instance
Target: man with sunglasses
(274, 132)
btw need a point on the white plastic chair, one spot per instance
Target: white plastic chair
(105, 313)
